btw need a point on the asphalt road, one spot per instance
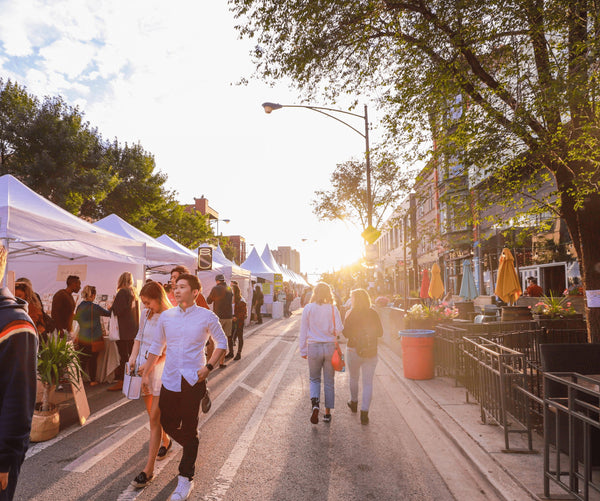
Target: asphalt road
(257, 441)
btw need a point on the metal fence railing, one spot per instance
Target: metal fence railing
(572, 434)
(495, 375)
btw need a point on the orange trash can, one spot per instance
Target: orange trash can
(417, 353)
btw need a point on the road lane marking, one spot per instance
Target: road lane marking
(39, 447)
(252, 390)
(242, 445)
(225, 394)
(97, 453)
(130, 494)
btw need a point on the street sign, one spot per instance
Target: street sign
(371, 234)
(205, 258)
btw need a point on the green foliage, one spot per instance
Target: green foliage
(48, 145)
(507, 89)
(58, 359)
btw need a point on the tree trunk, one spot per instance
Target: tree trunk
(588, 222)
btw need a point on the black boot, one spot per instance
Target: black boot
(364, 417)
(353, 405)
(314, 417)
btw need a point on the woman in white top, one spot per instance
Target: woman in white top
(318, 331)
(155, 301)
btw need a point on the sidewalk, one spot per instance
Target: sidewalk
(515, 476)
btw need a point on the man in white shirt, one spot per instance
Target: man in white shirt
(185, 329)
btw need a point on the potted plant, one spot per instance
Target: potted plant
(553, 307)
(421, 316)
(58, 360)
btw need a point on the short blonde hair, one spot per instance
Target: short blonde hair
(322, 294)
(87, 292)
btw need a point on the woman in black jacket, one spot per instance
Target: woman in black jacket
(126, 308)
(362, 327)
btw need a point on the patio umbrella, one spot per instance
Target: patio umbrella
(508, 287)
(436, 287)
(468, 291)
(424, 294)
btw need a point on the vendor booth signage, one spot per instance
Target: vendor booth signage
(66, 270)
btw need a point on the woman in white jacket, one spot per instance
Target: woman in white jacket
(320, 325)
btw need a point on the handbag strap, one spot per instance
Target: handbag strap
(333, 322)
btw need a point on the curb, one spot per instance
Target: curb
(504, 483)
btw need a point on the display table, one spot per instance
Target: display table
(108, 361)
(277, 310)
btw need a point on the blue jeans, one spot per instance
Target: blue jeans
(319, 357)
(355, 364)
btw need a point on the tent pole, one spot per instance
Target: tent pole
(5, 277)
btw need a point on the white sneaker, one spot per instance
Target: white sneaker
(183, 489)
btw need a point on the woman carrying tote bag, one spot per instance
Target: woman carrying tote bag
(156, 301)
(318, 332)
(126, 308)
(363, 328)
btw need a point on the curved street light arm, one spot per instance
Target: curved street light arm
(319, 109)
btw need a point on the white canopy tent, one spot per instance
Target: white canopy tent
(159, 257)
(46, 244)
(230, 271)
(259, 269)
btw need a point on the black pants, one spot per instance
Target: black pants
(179, 418)
(238, 336)
(258, 314)
(124, 347)
(89, 361)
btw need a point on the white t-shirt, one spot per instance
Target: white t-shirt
(320, 324)
(147, 332)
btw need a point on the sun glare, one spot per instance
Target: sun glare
(337, 245)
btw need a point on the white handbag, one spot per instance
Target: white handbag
(113, 328)
(132, 384)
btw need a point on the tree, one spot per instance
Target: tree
(525, 73)
(49, 147)
(347, 199)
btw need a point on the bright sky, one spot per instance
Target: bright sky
(163, 74)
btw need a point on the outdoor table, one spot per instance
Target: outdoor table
(108, 361)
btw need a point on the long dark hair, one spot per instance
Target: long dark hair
(237, 293)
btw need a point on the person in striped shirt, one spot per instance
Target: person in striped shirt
(18, 360)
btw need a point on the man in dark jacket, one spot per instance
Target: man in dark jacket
(63, 305)
(18, 360)
(222, 297)
(258, 298)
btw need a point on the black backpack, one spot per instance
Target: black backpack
(366, 345)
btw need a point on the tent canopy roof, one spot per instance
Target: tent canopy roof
(255, 264)
(157, 254)
(33, 225)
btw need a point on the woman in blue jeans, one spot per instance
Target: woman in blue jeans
(320, 325)
(362, 327)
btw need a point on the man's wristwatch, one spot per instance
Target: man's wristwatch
(209, 367)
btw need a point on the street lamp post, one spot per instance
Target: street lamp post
(269, 107)
(217, 221)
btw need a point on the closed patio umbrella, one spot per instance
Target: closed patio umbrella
(468, 291)
(424, 294)
(436, 287)
(508, 287)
